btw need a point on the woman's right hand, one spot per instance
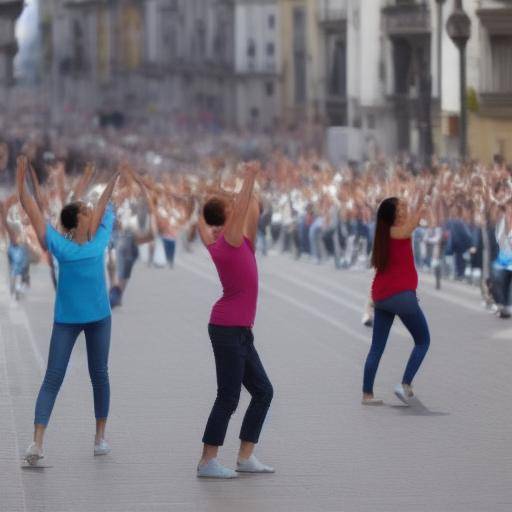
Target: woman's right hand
(21, 171)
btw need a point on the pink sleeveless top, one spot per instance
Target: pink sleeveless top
(238, 275)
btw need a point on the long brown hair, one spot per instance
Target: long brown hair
(386, 215)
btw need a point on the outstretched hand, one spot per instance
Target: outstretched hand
(89, 171)
(21, 171)
(252, 168)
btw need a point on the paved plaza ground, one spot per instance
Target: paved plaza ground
(451, 451)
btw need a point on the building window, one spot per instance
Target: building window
(299, 54)
(169, 38)
(200, 39)
(338, 69)
(501, 76)
(269, 89)
(270, 49)
(251, 49)
(271, 21)
(255, 113)
(371, 121)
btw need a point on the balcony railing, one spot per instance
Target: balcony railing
(406, 18)
(496, 104)
(11, 8)
(331, 11)
(265, 68)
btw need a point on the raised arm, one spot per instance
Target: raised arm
(60, 179)
(38, 193)
(3, 220)
(204, 233)
(234, 232)
(28, 203)
(413, 219)
(251, 220)
(150, 234)
(84, 182)
(102, 204)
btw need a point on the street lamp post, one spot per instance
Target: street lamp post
(458, 27)
(440, 5)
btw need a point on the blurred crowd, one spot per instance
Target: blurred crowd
(310, 209)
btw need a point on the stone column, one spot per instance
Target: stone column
(9, 12)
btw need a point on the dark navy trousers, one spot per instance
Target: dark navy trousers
(237, 363)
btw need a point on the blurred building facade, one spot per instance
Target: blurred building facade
(489, 81)
(384, 75)
(10, 10)
(381, 75)
(257, 64)
(160, 57)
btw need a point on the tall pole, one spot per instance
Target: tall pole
(440, 5)
(463, 106)
(458, 27)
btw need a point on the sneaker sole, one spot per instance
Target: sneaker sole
(32, 460)
(211, 477)
(401, 398)
(99, 454)
(372, 403)
(255, 472)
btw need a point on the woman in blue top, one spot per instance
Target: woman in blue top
(81, 303)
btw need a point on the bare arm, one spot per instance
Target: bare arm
(38, 193)
(412, 221)
(251, 220)
(204, 232)
(150, 234)
(83, 182)
(5, 224)
(60, 173)
(102, 204)
(28, 203)
(234, 232)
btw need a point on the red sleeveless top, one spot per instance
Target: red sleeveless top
(400, 273)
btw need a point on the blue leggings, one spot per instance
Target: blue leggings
(406, 306)
(97, 338)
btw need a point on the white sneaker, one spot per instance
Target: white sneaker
(367, 320)
(33, 454)
(404, 393)
(102, 448)
(214, 469)
(372, 401)
(252, 465)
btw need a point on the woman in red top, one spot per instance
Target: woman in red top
(394, 293)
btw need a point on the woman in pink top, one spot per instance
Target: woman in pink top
(228, 229)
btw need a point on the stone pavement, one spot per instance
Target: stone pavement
(451, 452)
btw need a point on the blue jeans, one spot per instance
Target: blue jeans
(170, 250)
(315, 236)
(237, 363)
(97, 338)
(406, 306)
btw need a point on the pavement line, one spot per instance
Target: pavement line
(3, 360)
(300, 268)
(19, 317)
(441, 294)
(287, 298)
(469, 290)
(399, 329)
(317, 290)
